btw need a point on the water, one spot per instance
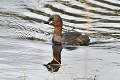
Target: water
(25, 42)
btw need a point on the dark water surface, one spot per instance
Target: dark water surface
(26, 52)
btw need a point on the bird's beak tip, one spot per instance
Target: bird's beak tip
(46, 22)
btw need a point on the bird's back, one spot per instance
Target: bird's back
(75, 38)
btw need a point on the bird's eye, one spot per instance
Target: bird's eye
(50, 19)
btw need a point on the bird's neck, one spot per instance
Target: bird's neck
(57, 37)
(58, 31)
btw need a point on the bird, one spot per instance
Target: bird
(67, 38)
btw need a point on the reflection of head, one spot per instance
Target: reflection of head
(54, 65)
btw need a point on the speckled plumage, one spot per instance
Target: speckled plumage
(75, 38)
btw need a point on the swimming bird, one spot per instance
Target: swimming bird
(68, 38)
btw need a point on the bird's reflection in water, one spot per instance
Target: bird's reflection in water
(70, 48)
(54, 65)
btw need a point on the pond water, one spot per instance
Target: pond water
(26, 51)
